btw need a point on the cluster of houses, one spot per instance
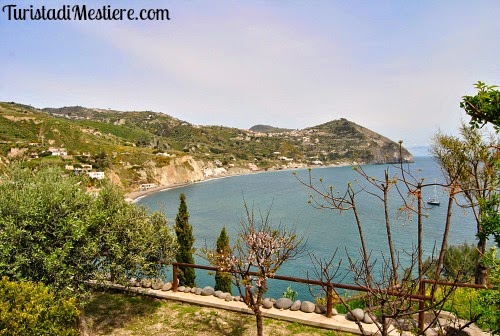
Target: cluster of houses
(86, 169)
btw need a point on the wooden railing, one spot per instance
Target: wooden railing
(421, 297)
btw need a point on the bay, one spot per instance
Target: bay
(218, 203)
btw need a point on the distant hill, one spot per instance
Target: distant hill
(420, 150)
(268, 129)
(129, 142)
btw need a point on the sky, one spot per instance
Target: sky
(399, 68)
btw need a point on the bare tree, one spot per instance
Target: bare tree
(259, 252)
(394, 288)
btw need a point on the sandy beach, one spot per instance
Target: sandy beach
(134, 196)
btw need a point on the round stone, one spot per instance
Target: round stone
(283, 303)
(181, 288)
(369, 318)
(207, 291)
(295, 306)
(156, 284)
(146, 283)
(320, 309)
(198, 291)
(307, 307)
(166, 286)
(267, 304)
(356, 315)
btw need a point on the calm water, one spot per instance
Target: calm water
(217, 203)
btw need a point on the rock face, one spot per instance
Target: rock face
(179, 170)
(356, 315)
(283, 303)
(307, 307)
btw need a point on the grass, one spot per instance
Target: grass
(127, 314)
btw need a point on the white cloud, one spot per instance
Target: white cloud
(243, 64)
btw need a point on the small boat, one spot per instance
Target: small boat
(434, 200)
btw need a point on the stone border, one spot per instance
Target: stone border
(337, 322)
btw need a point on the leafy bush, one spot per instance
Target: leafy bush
(28, 308)
(290, 293)
(489, 300)
(480, 304)
(52, 231)
(463, 302)
(459, 263)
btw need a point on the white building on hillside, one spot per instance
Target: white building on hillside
(96, 175)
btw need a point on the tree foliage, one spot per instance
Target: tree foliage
(53, 231)
(490, 299)
(223, 279)
(471, 163)
(29, 308)
(185, 240)
(484, 107)
(459, 263)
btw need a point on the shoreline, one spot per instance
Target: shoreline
(135, 196)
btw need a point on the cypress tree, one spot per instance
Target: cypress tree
(222, 279)
(185, 240)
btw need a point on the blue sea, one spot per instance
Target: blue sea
(219, 203)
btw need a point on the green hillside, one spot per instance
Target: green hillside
(108, 138)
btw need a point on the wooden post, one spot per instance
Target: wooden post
(247, 295)
(175, 280)
(329, 301)
(421, 307)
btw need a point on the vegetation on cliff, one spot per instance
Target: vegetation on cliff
(129, 143)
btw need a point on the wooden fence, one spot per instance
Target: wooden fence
(421, 297)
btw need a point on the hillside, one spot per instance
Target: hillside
(268, 129)
(142, 146)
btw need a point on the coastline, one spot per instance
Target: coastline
(135, 196)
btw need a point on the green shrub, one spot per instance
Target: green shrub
(28, 308)
(463, 302)
(489, 300)
(459, 263)
(290, 293)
